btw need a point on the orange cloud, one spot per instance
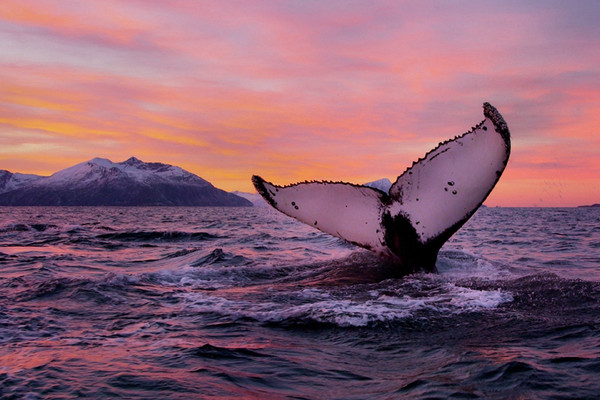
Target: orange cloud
(294, 91)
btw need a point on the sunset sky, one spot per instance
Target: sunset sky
(296, 90)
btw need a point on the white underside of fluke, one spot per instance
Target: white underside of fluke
(436, 195)
(350, 212)
(451, 182)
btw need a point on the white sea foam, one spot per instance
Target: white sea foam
(325, 307)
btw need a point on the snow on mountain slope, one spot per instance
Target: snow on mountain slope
(11, 181)
(256, 199)
(102, 169)
(383, 184)
(102, 182)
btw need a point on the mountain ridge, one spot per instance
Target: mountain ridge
(101, 182)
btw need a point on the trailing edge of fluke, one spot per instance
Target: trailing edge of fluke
(426, 205)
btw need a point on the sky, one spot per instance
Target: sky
(303, 90)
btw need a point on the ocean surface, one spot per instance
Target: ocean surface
(220, 303)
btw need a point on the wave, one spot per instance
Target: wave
(460, 264)
(222, 353)
(354, 307)
(133, 236)
(20, 227)
(108, 288)
(209, 271)
(218, 256)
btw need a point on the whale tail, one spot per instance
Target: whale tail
(426, 205)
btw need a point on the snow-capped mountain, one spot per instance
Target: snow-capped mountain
(11, 181)
(381, 184)
(256, 199)
(102, 182)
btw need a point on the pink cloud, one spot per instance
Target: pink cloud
(300, 90)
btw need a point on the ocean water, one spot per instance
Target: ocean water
(220, 303)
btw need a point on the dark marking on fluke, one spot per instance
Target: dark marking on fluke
(400, 232)
(260, 188)
(403, 240)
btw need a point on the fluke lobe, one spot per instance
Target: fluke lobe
(426, 205)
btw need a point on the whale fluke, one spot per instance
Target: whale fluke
(426, 205)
